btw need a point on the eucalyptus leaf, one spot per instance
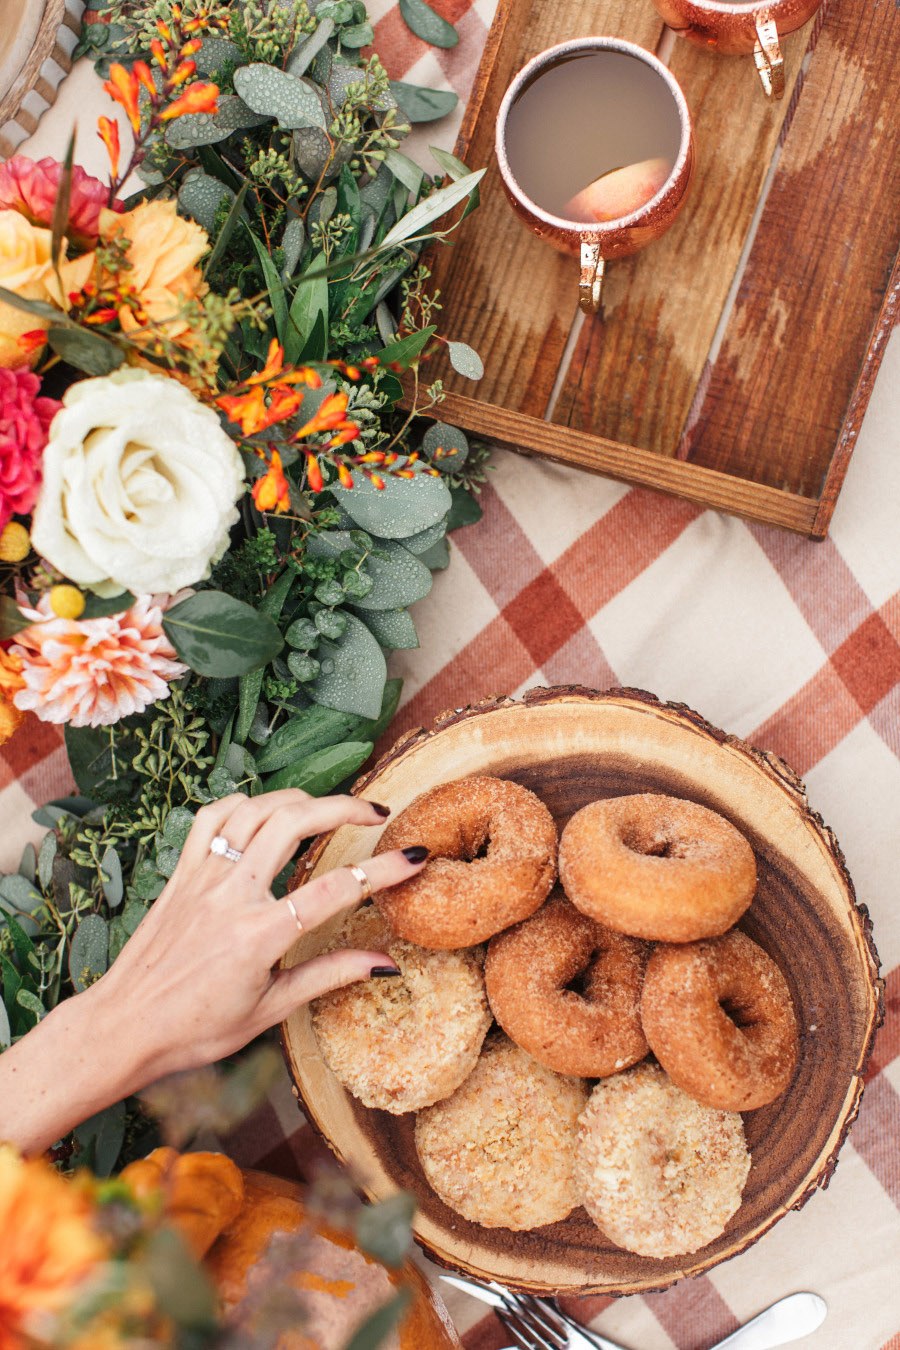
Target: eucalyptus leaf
(353, 672)
(104, 1134)
(384, 1230)
(90, 753)
(46, 854)
(309, 305)
(375, 1330)
(28, 863)
(215, 53)
(407, 349)
(178, 826)
(85, 350)
(89, 951)
(465, 360)
(274, 285)
(293, 242)
(312, 151)
(99, 606)
(420, 104)
(437, 557)
(20, 893)
(404, 506)
(302, 666)
(398, 578)
(292, 100)
(113, 887)
(445, 447)
(392, 628)
(303, 633)
(41, 308)
(420, 543)
(215, 634)
(301, 58)
(193, 129)
(432, 208)
(5, 1033)
(465, 509)
(125, 925)
(167, 861)
(199, 197)
(427, 24)
(30, 1001)
(317, 727)
(359, 35)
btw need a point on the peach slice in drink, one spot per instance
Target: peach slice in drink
(619, 192)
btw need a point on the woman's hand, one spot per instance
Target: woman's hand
(198, 979)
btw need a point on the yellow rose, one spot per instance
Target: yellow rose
(163, 251)
(27, 269)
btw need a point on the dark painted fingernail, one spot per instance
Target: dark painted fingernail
(418, 853)
(382, 972)
(382, 810)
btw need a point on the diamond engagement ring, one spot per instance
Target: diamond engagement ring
(222, 849)
(364, 882)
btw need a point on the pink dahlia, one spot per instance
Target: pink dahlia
(90, 672)
(31, 188)
(24, 423)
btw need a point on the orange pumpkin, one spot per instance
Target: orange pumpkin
(342, 1285)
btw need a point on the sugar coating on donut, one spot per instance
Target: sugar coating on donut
(399, 1044)
(493, 861)
(719, 1018)
(500, 1151)
(659, 1173)
(588, 1033)
(657, 867)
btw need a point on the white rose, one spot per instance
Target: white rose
(139, 488)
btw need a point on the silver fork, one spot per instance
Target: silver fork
(540, 1324)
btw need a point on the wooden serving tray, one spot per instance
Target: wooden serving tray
(572, 746)
(736, 379)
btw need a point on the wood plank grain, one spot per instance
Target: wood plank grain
(507, 294)
(797, 343)
(582, 450)
(635, 372)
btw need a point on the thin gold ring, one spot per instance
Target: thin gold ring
(364, 882)
(290, 905)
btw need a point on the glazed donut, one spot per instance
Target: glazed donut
(493, 847)
(658, 1172)
(501, 1150)
(402, 1044)
(719, 1018)
(527, 971)
(657, 867)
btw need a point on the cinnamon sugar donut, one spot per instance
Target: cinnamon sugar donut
(657, 867)
(500, 1151)
(401, 1044)
(719, 1018)
(527, 971)
(493, 847)
(658, 1172)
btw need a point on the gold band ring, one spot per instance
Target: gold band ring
(290, 905)
(364, 882)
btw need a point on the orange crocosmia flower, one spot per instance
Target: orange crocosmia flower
(271, 492)
(31, 341)
(346, 434)
(183, 73)
(247, 410)
(330, 415)
(108, 131)
(345, 476)
(158, 52)
(198, 98)
(314, 473)
(273, 366)
(48, 1245)
(122, 86)
(141, 71)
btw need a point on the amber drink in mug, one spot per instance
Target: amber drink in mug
(595, 151)
(741, 27)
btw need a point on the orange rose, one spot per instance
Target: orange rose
(48, 1245)
(11, 682)
(163, 251)
(27, 269)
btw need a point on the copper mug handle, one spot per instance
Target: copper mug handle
(767, 55)
(591, 280)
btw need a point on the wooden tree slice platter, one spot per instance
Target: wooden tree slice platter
(734, 358)
(572, 746)
(36, 42)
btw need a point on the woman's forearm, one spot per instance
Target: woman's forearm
(74, 1063)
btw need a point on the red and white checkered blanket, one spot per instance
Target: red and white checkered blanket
(792, 645)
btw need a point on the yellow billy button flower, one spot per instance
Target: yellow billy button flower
(67, 602)
(15, 543)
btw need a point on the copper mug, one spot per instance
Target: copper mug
(596, 242)
(739, 29)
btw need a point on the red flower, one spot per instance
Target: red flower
(271, 492)
(31, 188)
(24, 422)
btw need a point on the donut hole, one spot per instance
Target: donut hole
(742, 1014)
(651, 843)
